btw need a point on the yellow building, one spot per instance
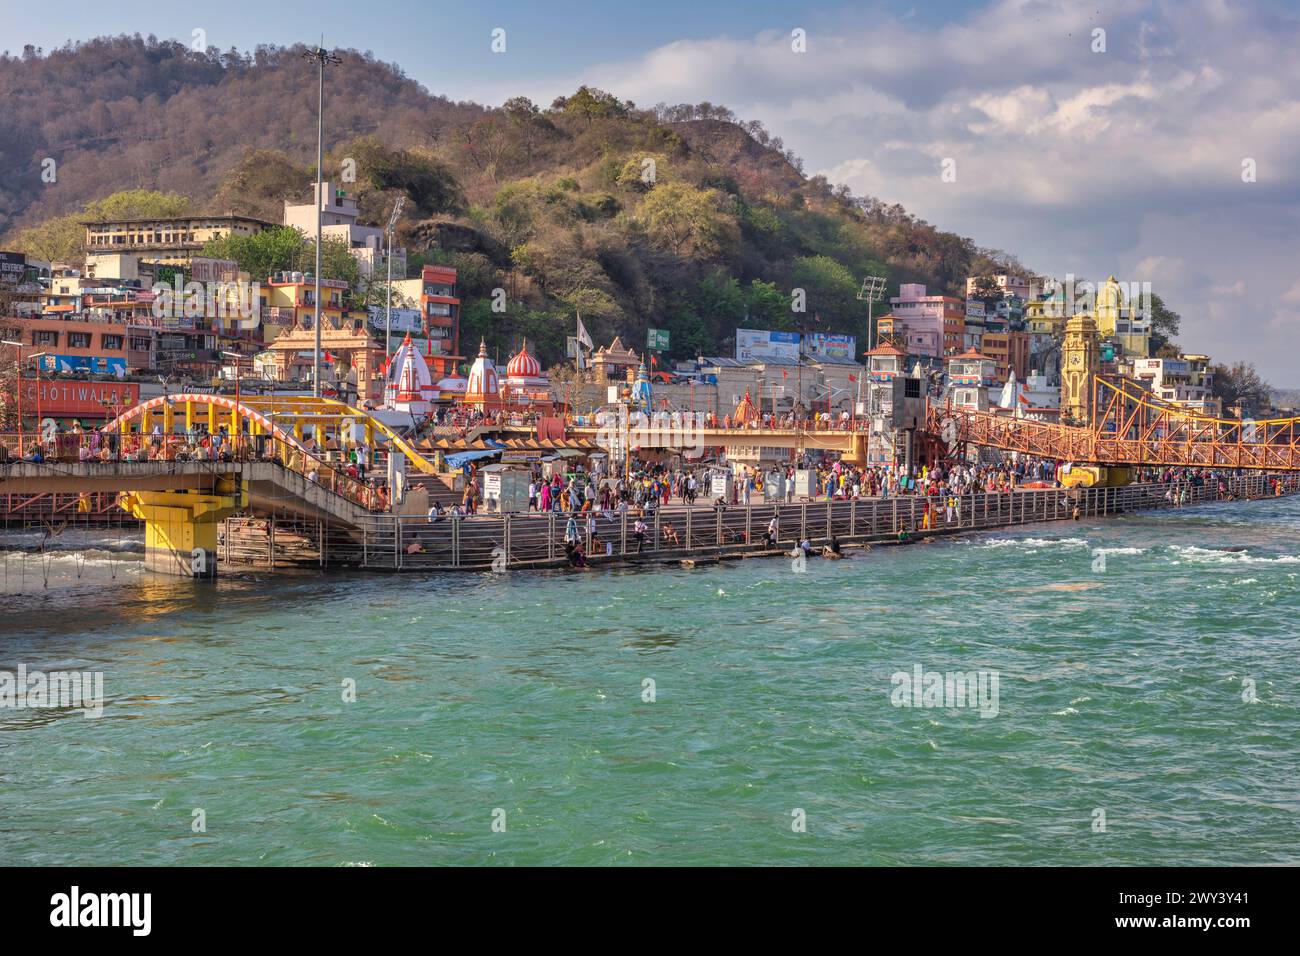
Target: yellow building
(1121, 321)
(288, 302)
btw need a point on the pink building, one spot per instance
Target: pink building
(932, 325)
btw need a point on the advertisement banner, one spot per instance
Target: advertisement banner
(759, 345)
(404, 320)
(80, 399)
(13, 268)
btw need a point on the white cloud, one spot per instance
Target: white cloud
(1125, 162)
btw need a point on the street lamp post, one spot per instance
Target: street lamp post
(388, 320)
(322, 57)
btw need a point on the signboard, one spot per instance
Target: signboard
(13, 268)
(80, 399)
(657, 340)
(214, 270)
(759, 345)
(720, 487)
(100, 364)
(804, 485)
(825, 345)
(404, 320)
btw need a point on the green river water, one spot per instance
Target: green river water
(1143, 675)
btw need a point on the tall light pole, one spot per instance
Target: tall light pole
(321, 56)
(872, 291)
(388, 321)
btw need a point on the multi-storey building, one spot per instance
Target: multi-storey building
(1009, 352)
(339, 215)
(1183, 381)
(169, 241)
(1019, 286)
(440, 308)
(932, 326)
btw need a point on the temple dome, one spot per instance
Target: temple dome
(524, 365)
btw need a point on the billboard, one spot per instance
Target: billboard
(13, 268)
(98, 364)
(824, 345)
(82, 399)
(404, 320)
(759, 345)
(657, 340)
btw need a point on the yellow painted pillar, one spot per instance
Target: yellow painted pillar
(297, 430)
(125, 426)
(169, 417)
(180, 528)
(189, 416)
(234, 422)
(146, 422)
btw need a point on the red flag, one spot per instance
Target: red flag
(853, 378)
(784, 374)
(654, 360)
(327, 356)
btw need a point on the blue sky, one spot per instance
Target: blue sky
(1124, 160)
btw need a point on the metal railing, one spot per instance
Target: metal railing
(520, 540)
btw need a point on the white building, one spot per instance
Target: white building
(339, 215)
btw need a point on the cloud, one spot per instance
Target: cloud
(1127, 161)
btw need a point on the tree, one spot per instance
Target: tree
(832, 291)
(689, 221)
(1241, 384)
(987, 291)
(1164, 323)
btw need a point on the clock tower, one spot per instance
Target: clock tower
(1080, 361)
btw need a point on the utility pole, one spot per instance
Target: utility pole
(388, 321)
(322, 57)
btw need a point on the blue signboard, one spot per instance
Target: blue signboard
(98, 364)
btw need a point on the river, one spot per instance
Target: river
(1147, 707)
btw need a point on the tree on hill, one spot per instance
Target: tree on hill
(63, 239)
(689, 221)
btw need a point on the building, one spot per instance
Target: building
(1183, 381)
(440, 311)
(1121, 320)
(288, 301)
(1080, 362)
(339, 214)
(932, 326)
(1019, 286)
(351, 359)
(970, 376)
(169, 241)
(1009, 352)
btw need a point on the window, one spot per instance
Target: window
(78, 340)
(43, 337)
(911, 388)
(140, 344)
(111, 343)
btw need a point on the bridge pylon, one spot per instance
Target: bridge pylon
(180, 528)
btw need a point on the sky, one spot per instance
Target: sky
(1164, 150)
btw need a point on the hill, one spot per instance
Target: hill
(679, 217)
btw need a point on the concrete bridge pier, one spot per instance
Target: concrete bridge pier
(180, 528)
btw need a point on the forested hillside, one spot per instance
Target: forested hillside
(679, 217)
